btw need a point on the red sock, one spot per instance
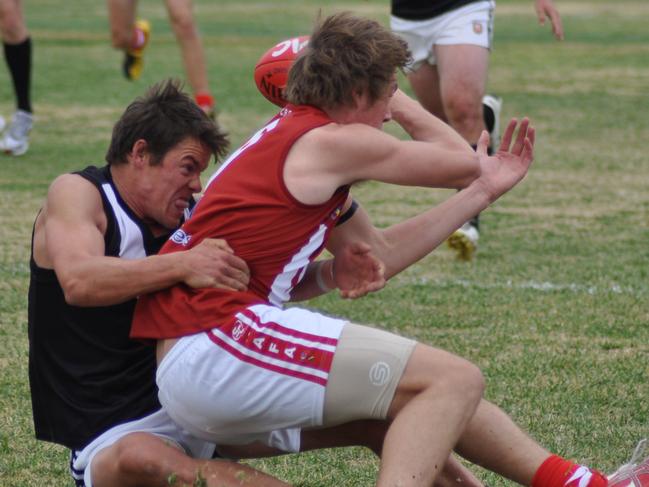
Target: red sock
(557, 472)
(205, 101)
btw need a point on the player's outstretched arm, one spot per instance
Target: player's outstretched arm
(69, 238)
(354, 149)
(404, 243)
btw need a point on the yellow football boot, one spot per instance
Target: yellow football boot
(133, 58)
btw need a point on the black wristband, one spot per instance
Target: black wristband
(348, 214)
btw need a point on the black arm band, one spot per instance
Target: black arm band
(348, 214)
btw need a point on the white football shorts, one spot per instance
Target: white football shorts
(260, 378)
(158, 424)
(471, 24)
(269, 373)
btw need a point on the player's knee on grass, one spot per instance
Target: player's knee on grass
(441, 374)
(135, 457)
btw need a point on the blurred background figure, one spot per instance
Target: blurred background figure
(17, 47)
(450, 42)
(132, 36)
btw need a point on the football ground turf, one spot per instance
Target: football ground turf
(555, 309)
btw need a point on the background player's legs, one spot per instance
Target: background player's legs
(17, 50)
(425, 84)
(12, 22)
(462, 71)
(129, 35)
(121, 15)
(17, 47)
(183, 24)
(453, 90)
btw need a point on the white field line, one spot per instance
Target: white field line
(577, 288)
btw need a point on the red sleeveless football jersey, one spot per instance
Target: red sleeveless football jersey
(247, 204)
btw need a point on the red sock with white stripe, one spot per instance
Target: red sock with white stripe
(558, 472)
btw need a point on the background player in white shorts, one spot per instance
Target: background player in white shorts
(237, 367)
(450, 42)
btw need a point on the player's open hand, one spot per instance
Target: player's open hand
(357, 271)
(546, 9)
(503, 170)
(212, 263)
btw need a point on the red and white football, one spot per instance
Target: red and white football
(633, 474)
(271, 71)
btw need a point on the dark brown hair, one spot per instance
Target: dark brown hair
(163, 117)
(346, 55)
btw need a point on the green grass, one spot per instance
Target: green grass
(556, 308)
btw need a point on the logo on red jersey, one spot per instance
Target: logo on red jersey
(336, 213)
(180, 237)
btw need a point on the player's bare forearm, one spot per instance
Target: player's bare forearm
(69, 238)
(411, 240)
(404, 243)
(104, 281)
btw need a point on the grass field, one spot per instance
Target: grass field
(556, 308)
